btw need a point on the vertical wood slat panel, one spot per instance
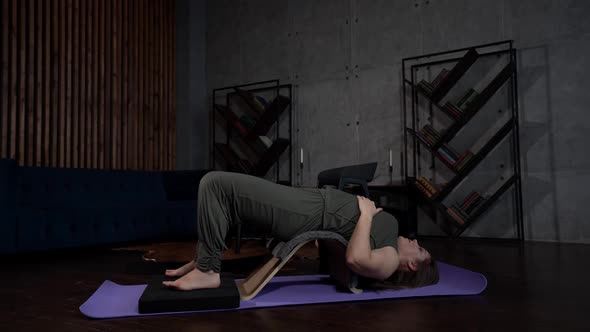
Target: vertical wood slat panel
(166, 48)
(28, 147)
(142, 79)
(87, 83)
(84, 101)
(153, 79)
(132, 138)
(11, 74)
(108, 111)
(37, 107)
(154, 126)
(173, 94)
(161, 46)
(167, 77)
(75, 86)
(96, 81)
(125, 88)
(90, 86)
(4, 93)
(68, 81)
(21, 78)
(116, 81)
(46, 82)
(62, 56)
(55, 18)
(148, 109)
(158, 89)
(102, 84)
(14, 68)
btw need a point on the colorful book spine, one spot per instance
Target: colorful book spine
(469, 198)
(423, 189)
(430, 134)
(452, 110)
(460, 212)
(447, 156)
(455, 216)
(426, 87)
(427, 185)
(465, 97)
(424, 185)
(429, 129)
(465, 105)
(463, 160)
(474, 204)
(440, 77)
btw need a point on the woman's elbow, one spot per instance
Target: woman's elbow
(353, 262)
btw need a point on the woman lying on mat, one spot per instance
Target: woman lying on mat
(374, 249)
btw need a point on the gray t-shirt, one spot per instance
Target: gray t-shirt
(342, 213)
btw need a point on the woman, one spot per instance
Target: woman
(374, 249)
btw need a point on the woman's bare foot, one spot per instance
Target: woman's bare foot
(195, 279)
(186, 268)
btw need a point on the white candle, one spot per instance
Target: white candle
(301, 157)
(390, 158)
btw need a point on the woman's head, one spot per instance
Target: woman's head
(416, 267)
(411, 255)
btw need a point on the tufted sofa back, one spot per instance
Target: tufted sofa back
(50, 208)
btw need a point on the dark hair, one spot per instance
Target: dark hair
(426, 274)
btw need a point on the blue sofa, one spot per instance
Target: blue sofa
(53, 208)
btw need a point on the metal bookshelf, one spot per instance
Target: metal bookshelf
(428, 140)
(247, 136)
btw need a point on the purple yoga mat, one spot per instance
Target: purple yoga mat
(112, 300)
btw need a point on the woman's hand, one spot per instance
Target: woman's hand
(367, 207)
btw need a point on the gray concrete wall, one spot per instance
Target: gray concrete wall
(192, 126)
(344, 57)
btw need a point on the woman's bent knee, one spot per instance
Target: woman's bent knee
(210, 178)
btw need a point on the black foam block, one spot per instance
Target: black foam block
(159, 298)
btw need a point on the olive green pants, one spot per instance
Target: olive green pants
(226, 199)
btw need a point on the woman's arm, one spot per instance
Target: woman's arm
(377, 264)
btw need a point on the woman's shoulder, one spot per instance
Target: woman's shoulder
(390, 258)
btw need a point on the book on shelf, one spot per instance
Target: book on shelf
(424, 185)
(261, 102)
(426, 139)
(423, 189)
(464, 160)
(254, 106)
(266, 141)
(455, 216)
(469, 198)
(464, 97)
(440, 77)
(453, 111)
(474, 204)
(445, 158)
(455, 207)
(428, 129)
(454, 75)
(429, 87)
(426, 136)
(467, 98)
(425, 87)
(230, 116)
(447, 155)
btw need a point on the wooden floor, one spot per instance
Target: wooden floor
(532, 287)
